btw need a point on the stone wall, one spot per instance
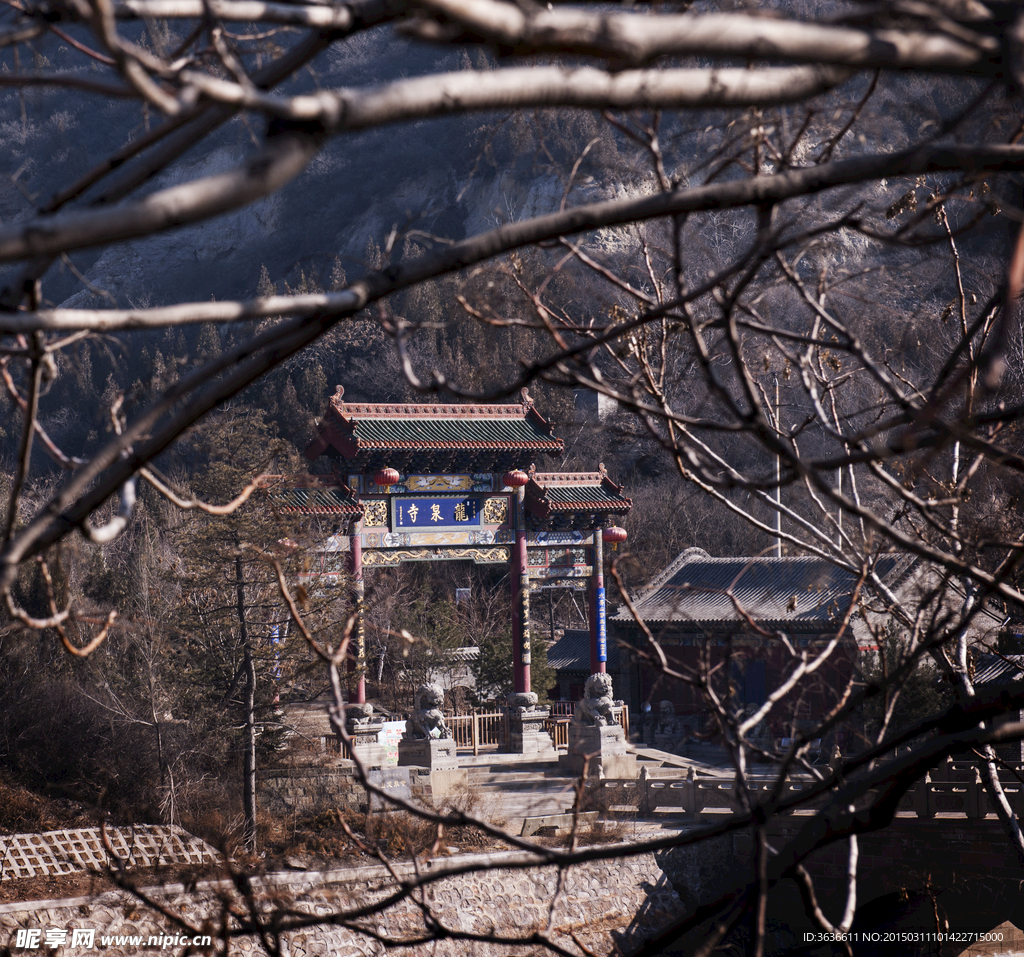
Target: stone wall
(600, 902)
(309, 787)
(940, 855)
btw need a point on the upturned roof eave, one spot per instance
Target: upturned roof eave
(298, 510)
(619, 508)
(597, 493)
(282, 493)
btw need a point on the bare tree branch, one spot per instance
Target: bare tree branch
(637, 39)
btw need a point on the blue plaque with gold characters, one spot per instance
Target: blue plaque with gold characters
(431, 513)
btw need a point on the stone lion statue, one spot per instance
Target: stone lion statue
(522, 701)
(359, 715)
(665, 723)
(595, 709)
(427, 721)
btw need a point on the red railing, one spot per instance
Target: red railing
(489, 729)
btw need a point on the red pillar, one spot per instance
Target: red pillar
(357, 654)
(598, 632)
(519, 574)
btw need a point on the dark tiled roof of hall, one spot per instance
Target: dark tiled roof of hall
(785, 591)
(571, 652)
(998, 668)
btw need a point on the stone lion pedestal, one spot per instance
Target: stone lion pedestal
(597, 744)
(428, 743)
(526, 734)
(365, 734)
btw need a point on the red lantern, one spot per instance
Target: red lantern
(517, 478)
(614, 534)
(386, 477)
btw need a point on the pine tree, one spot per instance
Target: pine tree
(338, 278)
(264, 287)
(241, 656)
(231, 605)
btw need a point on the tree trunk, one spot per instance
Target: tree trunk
(249, 752)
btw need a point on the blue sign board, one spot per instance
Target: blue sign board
(602, 632)
(424, 513)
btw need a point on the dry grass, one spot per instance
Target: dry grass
(345, 835)
(25, 811)
(616, 809)
(601, 832)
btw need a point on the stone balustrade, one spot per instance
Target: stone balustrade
(693, 794)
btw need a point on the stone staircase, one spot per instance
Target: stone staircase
(507, 791)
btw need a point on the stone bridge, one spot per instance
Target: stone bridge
(945, 863)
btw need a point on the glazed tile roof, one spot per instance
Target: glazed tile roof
(550, 492)
(312, 495)
(372, 435)
(790, 592)
(489, 432)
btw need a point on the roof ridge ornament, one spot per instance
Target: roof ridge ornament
(526, 398)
